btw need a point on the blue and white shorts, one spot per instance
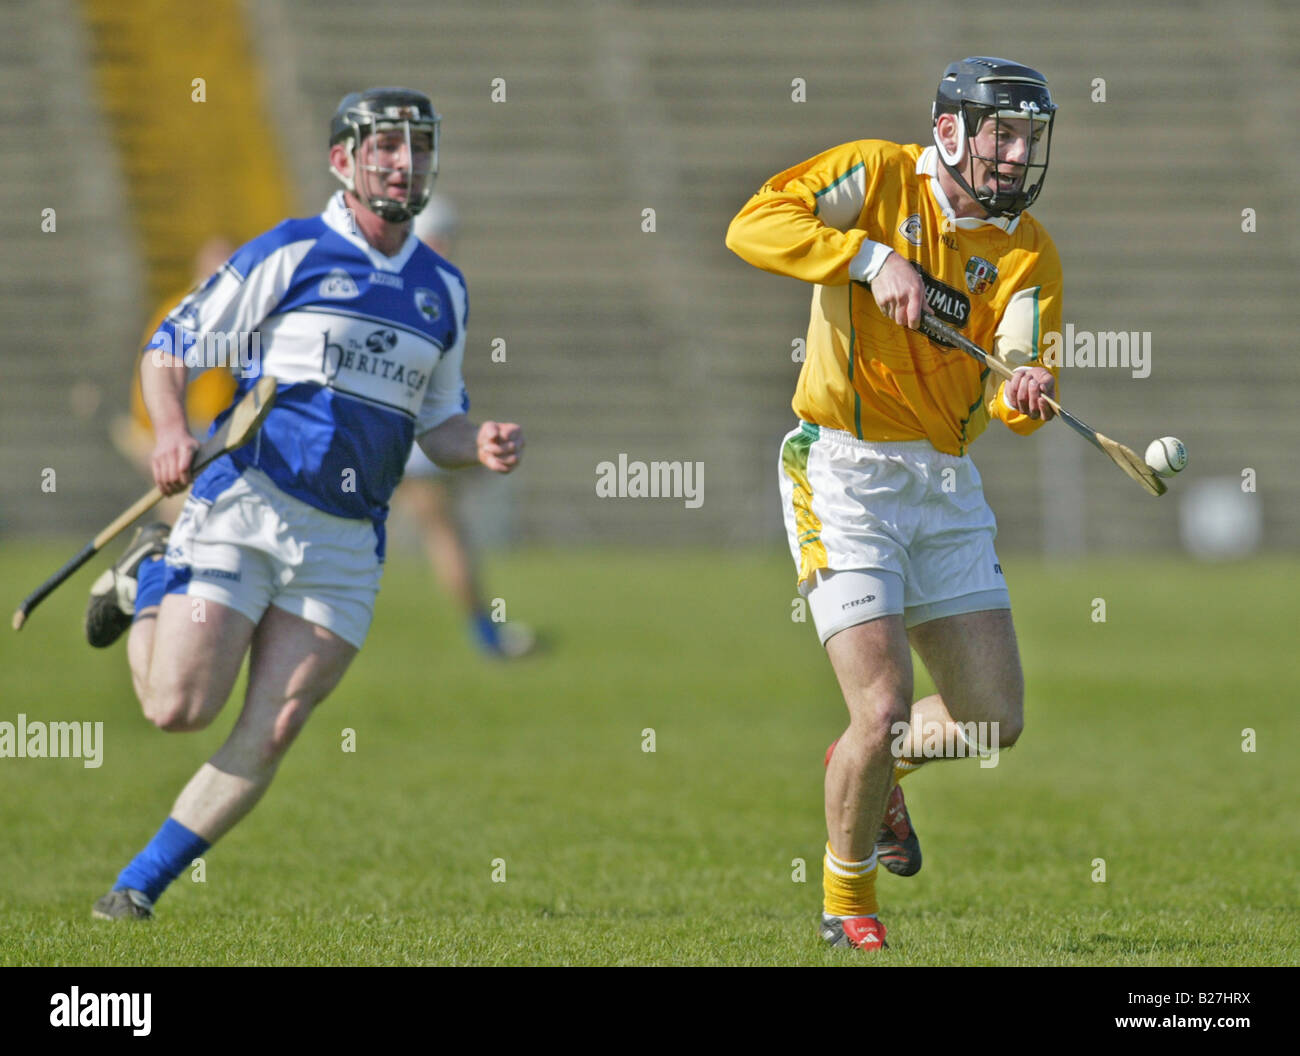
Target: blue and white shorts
(254, 546)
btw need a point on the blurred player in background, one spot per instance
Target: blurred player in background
(428, 496)
(278, 552)
(884, 510)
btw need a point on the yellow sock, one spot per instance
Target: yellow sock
(848, 888)
(903, 767)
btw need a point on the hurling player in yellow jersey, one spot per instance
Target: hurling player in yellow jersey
(884, 509)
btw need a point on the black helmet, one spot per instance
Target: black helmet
(978, 88)
(381, 109)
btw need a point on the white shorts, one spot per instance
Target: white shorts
(254, 546)
(420, 465)
(886, 529)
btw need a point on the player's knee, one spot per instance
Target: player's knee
(177, 717)
(1012, 719)
(178, 711)
(878, 714)
(1010, 728)
(1000, 709)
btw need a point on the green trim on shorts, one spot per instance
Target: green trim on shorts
(794, 463)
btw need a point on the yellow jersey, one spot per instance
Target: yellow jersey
(998, 281)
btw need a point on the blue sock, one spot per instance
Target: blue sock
(150, 579)
(485, 632)
(171, 850)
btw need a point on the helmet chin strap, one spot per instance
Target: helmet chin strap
(952, 158)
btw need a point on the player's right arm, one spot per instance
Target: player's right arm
(806, 223)
(162, 383)
(233, 300)
(803, 222)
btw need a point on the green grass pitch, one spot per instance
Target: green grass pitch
(1133, 753)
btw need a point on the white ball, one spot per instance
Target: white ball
(1166, 456)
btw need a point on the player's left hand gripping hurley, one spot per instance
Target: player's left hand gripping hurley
(1124, 457)
(235, 431)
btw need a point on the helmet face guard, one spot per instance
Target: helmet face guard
(984, 95)
(360, 121)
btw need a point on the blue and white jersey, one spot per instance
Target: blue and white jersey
(367, 350)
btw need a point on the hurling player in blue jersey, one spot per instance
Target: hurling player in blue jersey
(277, 553)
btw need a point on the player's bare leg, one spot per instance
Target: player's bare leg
(973, 658)
(975, 663)
(930, 720)
(991, 693)
(139, 649)
(144, 631)
(874, 666)
(185, 657)
(898, 848)
(294, 665)
(193, 649)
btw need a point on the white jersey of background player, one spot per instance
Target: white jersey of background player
(278, 549)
